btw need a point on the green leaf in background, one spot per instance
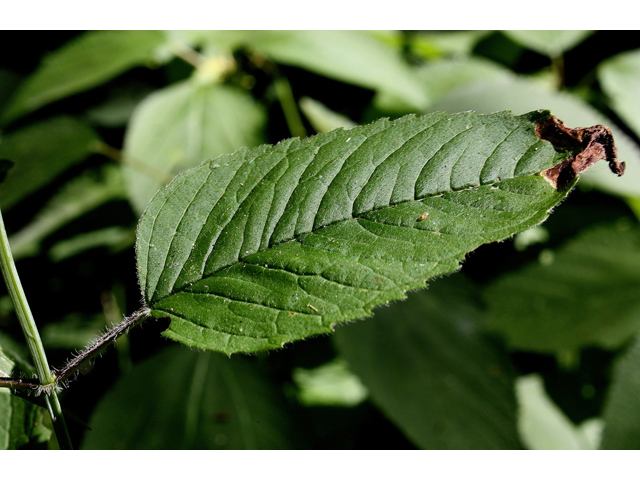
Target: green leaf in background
(179, 127)
(583, 294)
(83, 63)
(21, 422)
(619, 79)
(367, 62)
(521, 95)
(75, 331)
(329, 384)
(41, 152)
(269, 245)
(322, 118)
(8, 82)
(77, 197)
(451, 43)
(548, 42)
(431, 369)
(444, 76)
(622, 423)
(5, 165)
(183, 399)
(543, 426)
(114, 239)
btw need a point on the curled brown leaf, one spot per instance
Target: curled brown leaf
(594, 143)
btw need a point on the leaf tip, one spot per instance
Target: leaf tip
(589, 145)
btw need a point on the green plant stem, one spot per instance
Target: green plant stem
(557, 67)
(32, 336)
(288, 102)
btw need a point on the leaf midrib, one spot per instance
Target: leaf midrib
(289, 151)
(297, 238)
(294, 146)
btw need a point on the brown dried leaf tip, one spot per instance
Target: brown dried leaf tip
(595, 143)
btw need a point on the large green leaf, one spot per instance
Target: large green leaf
(268, 245)
(622, 423)
(619, 79)
(521, 95)
(430, 367)
(182, 125)
(584, 294)
(183, 399)
(87, 61)
(41, 152)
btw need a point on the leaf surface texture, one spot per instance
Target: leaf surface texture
(273, 244)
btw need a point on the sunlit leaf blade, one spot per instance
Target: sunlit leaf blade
(322, 118)
(548, 42)
(433, 371)
(446, 43)
(41, 152)
(85, 62)
(619, 79)
(584, 294)
(543, 425)
(183, 399)
(181, 126)
(21, 422)
(521, 95)
(330, 384)
(444, 76)
(268, 245)
(622, 424)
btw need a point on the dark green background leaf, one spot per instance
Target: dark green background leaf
(40, 153)
(622, 424)
(183, 399)
(86, 62)
(584, 294)
(430, 367)
(78, 196)
(5, 165)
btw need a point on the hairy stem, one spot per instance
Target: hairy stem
(62, 376)
(30, 330)
(71, 368)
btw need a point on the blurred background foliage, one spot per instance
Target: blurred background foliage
(533, 345)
